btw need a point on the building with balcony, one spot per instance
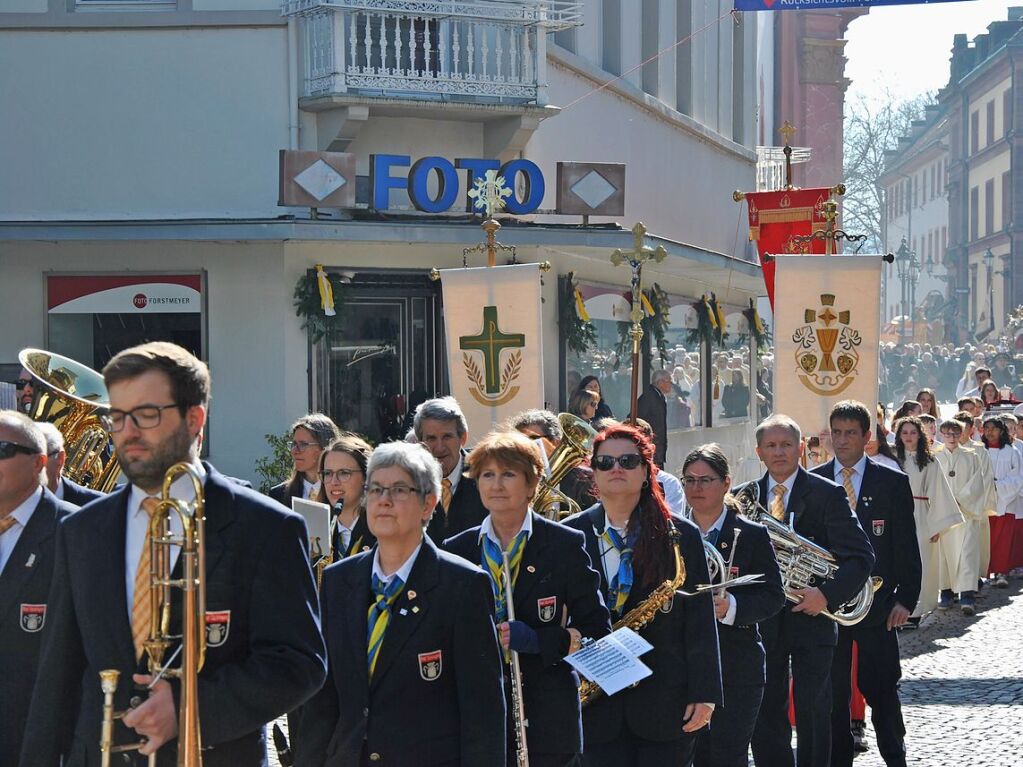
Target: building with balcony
(140, 194)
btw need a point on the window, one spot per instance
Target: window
(989, 206)
(990, 122)
(974, 132)
(1006, 199)
(974, 212)
(1007, 111)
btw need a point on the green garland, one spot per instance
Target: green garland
(580, 334)
(761, 336)
(308, 307)
(655, 325)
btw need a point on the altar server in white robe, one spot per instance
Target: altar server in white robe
(988, 472)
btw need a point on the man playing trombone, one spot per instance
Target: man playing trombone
(264, 653)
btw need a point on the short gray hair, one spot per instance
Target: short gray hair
(28, 431)
(54, 439)
(778, 421)
(440, 409)
(415, 460)
(659, 375)
(544, 420)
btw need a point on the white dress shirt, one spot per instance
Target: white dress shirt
(719, 523)
(857, 476)
(59, 492)
(487, 529)
(402, 572)
(22, 514)
(610, 559)
(455, 476)
(309, 489)
(138, 526)
(789, 483)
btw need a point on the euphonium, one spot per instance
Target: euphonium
(193, 618)
(576, 445)
(801, 560)
(73, 398)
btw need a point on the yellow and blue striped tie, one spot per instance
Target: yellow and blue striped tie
(380, 615)
(621, 584)
(493, 563)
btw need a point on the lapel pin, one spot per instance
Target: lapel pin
(530, 569)
(415, 609)
(403, 611)
(31, 560)
(411, 595)
(724, 544)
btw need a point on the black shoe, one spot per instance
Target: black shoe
(945, 599)
(859, 734)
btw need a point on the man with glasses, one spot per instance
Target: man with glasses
(264, 652)
(26, 388)
(62, 487)
(29, 514)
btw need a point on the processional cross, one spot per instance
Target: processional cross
(489, 194)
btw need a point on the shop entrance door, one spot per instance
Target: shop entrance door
(384, 360)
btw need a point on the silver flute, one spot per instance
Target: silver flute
(518, 703)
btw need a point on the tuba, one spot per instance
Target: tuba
(73, 398)
(575, 447)
(801, 560)
(192, 647)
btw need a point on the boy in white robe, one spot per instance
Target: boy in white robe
(966, 440)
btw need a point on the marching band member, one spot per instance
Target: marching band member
(935, 508)
(555, 591)
(62, 487)
(310, 434)
(657, 721)
(883, 501)
(264, 651)
(1008, 481)
(29, 515)
(746, 548)
(343, 473)
(414, 665)
(817, 509)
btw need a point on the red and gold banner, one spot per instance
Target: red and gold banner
(777, 218)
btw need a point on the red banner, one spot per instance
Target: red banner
(776, 219)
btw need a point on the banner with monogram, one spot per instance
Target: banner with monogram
(775, 218)
(494, 342)
(827, 335)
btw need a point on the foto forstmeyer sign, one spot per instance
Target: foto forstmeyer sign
(494, 342)
(827, 329)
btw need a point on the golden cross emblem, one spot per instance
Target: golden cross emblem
(490, 193)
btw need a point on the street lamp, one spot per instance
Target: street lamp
(989, 264)
(902, 260)
(913, 269)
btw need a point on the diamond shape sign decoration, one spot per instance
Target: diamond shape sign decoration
(316, 179)
(591, 189)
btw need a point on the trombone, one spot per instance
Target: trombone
(192, 640)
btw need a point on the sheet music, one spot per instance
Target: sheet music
(613, 662)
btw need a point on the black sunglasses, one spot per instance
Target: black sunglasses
(607, 462)
(10, 449)
(21, 383)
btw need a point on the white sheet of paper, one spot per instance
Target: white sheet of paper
(610, 664)
(632, 641)
(317, 522)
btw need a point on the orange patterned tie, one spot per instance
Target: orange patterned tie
(850, 491)
(141, 618)
(445, 494)
(7, 523)
(778, 502)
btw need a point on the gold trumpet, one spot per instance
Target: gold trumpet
(193, 621)
(576, 445)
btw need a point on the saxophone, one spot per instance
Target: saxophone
(643, 613)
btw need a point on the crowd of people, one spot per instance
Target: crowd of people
(401, 651)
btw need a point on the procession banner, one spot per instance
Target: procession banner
(827, 329)
(494, 342)
(811, 5)
(777, 218)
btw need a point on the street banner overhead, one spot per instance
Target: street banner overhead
(816, 5)
(494, 342)
(827, 332)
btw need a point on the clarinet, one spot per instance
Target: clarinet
(518, 705)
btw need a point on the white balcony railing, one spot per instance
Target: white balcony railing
(492, 51)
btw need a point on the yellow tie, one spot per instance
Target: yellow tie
(445, 493)
(141, 617)
(7, 523)
(778, 502)
(850, 491)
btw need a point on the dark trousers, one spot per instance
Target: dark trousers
(726, 742)
(627, 750)
(811, 687)
(546, 760)
(878, 677)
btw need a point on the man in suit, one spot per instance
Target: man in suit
(883, 502)
(441, 428)
(264, 652)
(818, 510)
(652, 407)
(28, 519)
(58, 484)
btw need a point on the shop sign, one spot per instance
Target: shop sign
(109, 294)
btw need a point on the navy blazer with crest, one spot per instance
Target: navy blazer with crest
(685, 660)
(436, 696)
(264, 655)
(24, 586)
(556, 586)
(820, 512)
(885, 510)
(465, 510)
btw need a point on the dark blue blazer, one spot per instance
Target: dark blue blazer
(264, 656)
(24, 585)
(78, 495)
(685, 661)
(436, 696)
(885, 510)
(820, 512)
(556, 586)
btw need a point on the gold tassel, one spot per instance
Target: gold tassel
(717, 385)
(326, 292)
(721, 317)
(710, 312)
(647, 306)
(580, 307)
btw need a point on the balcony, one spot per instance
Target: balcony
(486, 52)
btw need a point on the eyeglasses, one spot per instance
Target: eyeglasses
(607, 462)
(21, 383)
(10, 449)
(700, 482)
(300, 447)
(143, 416)
(340, 475)
(397, 492)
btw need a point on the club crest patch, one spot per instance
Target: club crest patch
(431, 665)
(218, 625)
(32, 618)
(547, 608)
(877, 526)
(733, 572)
